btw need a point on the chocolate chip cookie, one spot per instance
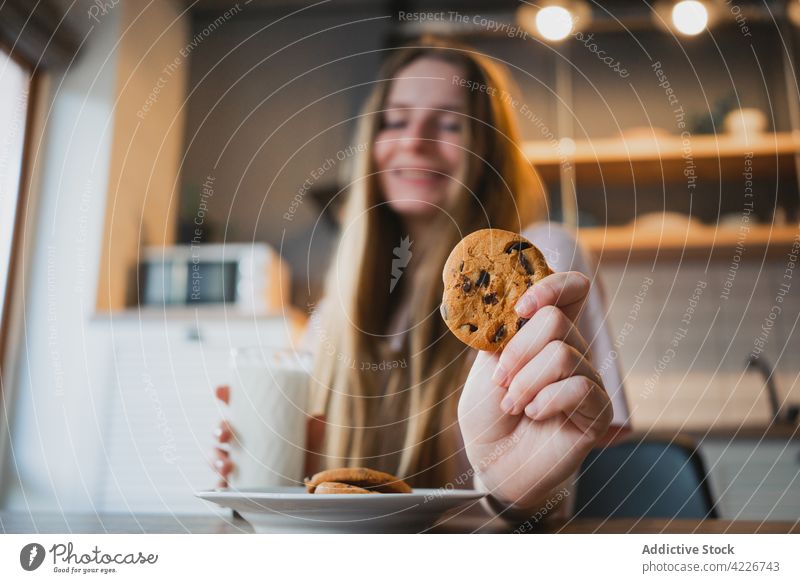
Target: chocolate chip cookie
(363, 478)
(485, 275)
(340, 488)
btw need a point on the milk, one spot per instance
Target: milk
(268, 405)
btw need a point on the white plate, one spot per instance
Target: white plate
(291, 509)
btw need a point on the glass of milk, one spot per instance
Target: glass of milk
(267, 412)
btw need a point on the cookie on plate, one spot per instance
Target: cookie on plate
(485, 275)
(340, 488)
(366, 478)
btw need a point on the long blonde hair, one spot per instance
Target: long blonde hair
(420, 390)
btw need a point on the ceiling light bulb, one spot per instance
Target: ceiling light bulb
(690, 17)
(554, 22)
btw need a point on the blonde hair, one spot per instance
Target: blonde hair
(500, 189)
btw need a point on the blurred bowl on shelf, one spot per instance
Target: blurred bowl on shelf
(747, 121)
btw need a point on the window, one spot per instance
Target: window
(15, 81)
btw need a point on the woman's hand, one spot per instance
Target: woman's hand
(221, 460)
(531, 414)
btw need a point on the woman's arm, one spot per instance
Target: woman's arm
(564, 253)
(531, 414)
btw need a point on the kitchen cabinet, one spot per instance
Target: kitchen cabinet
(753, 470)
(754, 478)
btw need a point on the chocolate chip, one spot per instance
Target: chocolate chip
(528, 283)
(468, 328)
(517, 246)
(490, 299)
(500, 334)
(483, 280)
(443, 310)
(466, 284)
(528, 269)
(521, 322)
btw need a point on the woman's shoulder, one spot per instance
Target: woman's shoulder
(558, 243)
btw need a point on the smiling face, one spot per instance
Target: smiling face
(418, 151)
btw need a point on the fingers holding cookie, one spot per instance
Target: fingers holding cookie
(555, 362)
(545, 325)
(500, 296)
(567, 290)
(583, 400)
(550, 349)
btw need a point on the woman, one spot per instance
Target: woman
(442, 159)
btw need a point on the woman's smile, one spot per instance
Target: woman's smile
(421, 177)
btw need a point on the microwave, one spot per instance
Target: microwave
(249, 277)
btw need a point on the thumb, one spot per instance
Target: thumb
(480, 416)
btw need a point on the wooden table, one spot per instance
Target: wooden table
(44, 523)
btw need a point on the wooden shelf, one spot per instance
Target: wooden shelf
(629, 243)
(615, 160)
(610, 150)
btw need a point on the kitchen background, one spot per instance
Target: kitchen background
(214, 122)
